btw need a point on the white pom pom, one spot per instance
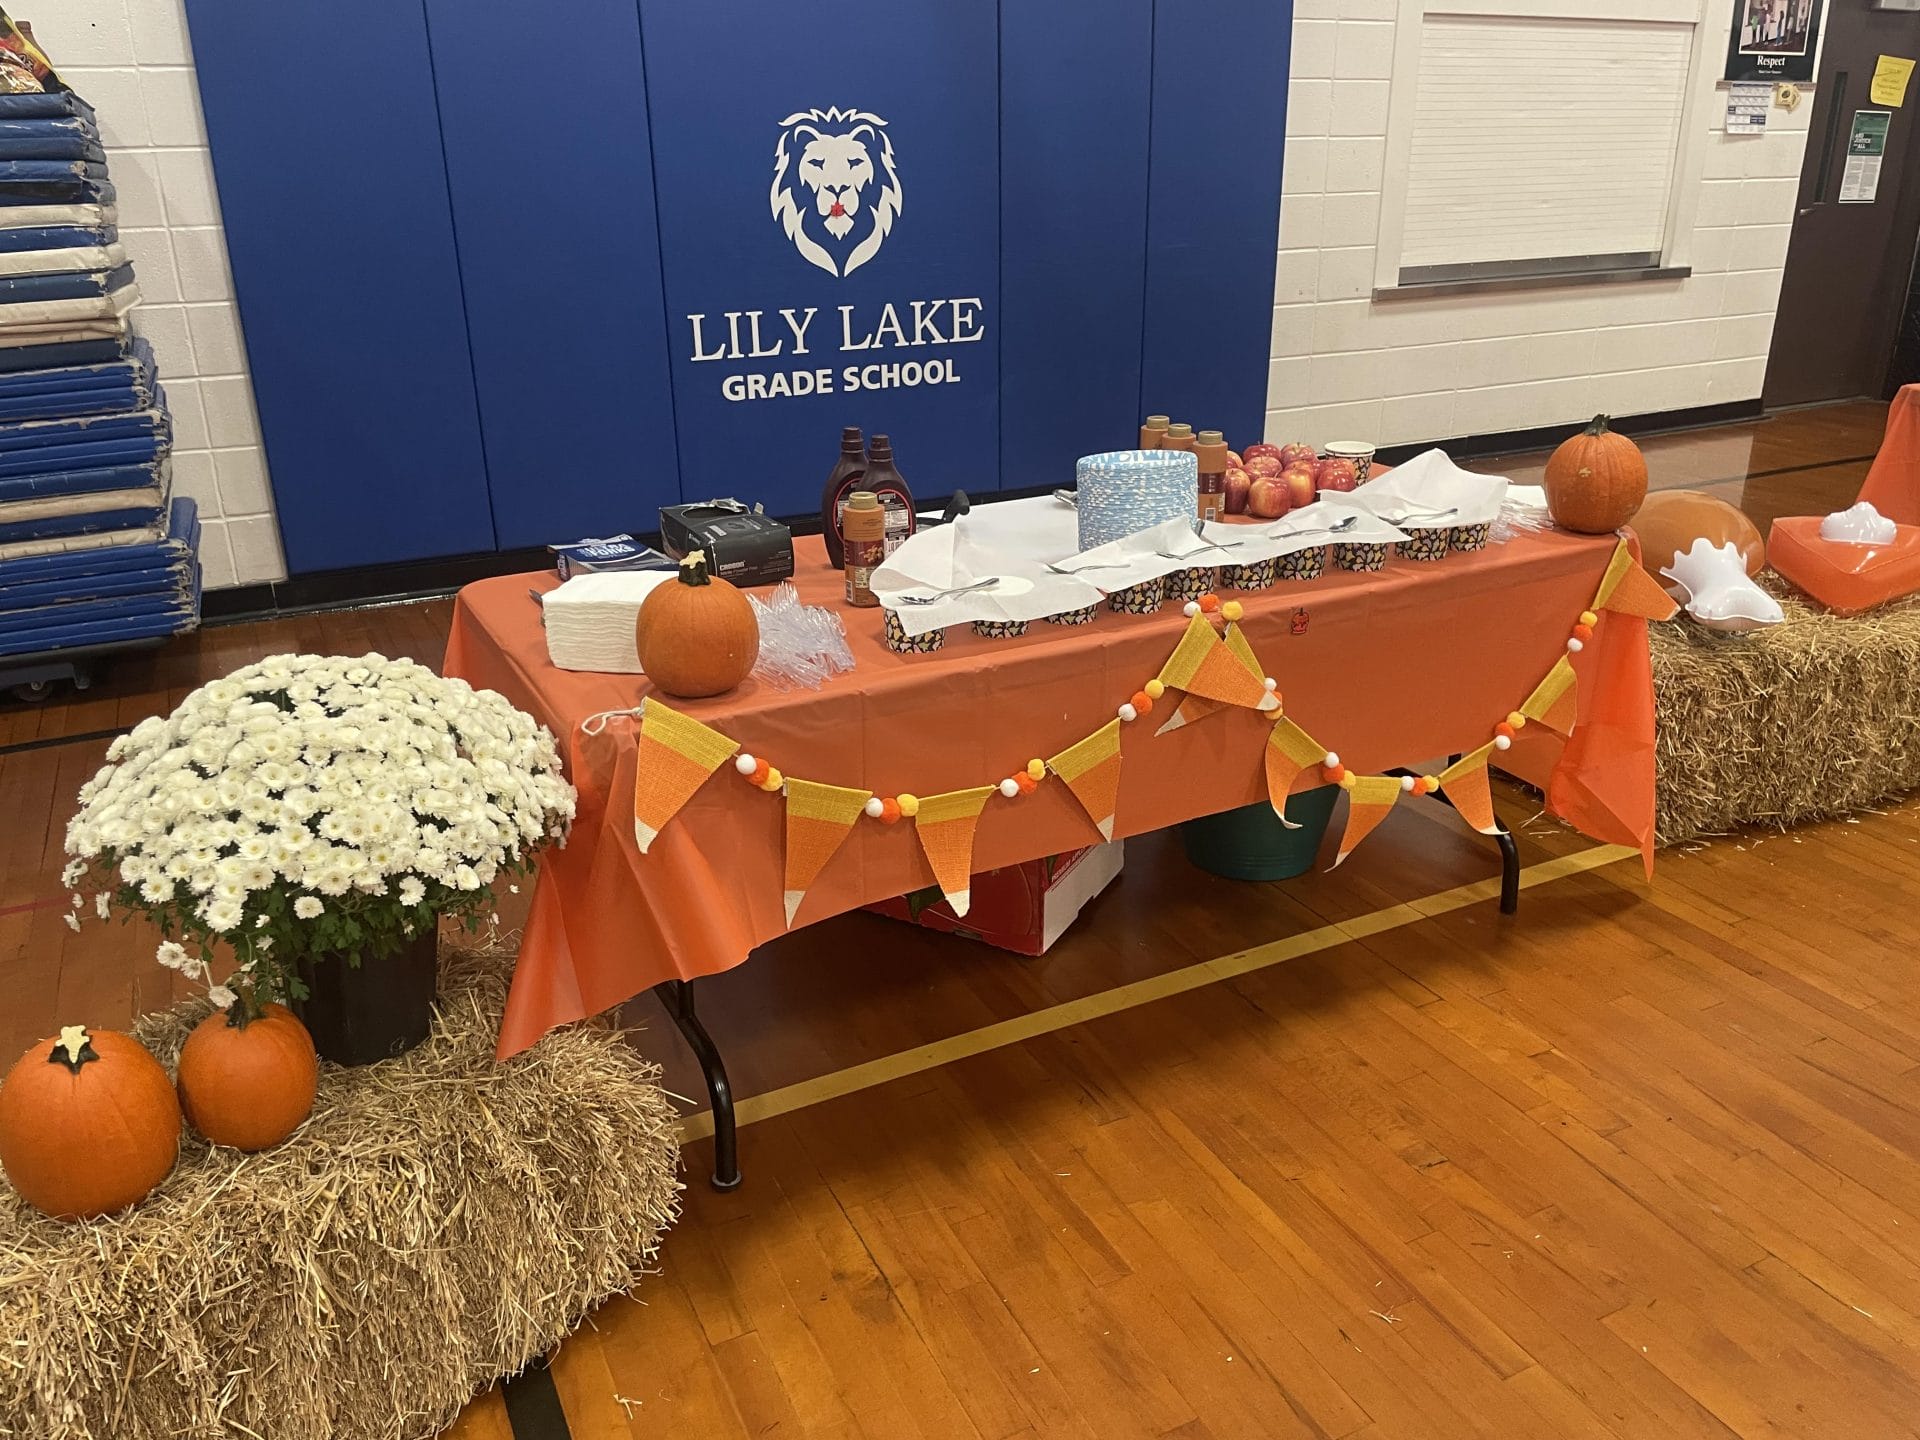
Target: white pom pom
(1575, 646)
(874, 807)
(1010, 788)
(1190, 609)
(744, 763)
(1406, 782)
(1128, 713)
(1502, 742)
(1331, 760)
(1269, 683)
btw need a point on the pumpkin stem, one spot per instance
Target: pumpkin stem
(693, 569)
(78, 1045)
(244, 1010)
(1600, 426)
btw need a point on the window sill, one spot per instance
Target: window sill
(1390, 293)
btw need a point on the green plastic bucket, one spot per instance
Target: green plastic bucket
(1250, 843)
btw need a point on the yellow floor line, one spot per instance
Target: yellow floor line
(854, 1078)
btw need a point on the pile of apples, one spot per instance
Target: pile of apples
(1270, 480)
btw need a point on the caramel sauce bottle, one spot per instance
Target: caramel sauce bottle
(1153, 434)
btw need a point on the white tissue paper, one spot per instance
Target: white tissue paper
(1328, 521)
(1008, 543)
(1430, 492)
(590, 619)
(1859, 525)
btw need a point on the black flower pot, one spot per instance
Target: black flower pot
(372, 1011)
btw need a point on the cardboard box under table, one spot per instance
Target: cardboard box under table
(1415, 662)
(1023, 908)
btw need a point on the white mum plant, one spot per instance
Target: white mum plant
(313, 804)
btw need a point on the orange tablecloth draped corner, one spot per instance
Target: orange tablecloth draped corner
(1893, 484)
(1417, 662)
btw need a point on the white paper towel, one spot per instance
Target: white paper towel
(590, 620)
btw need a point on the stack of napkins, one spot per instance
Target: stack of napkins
(590, 620)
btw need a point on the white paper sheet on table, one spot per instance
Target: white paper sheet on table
(1428, 485)
(1301, 529)
(1011, 541)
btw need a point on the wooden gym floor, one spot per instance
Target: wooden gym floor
(1350, 1156)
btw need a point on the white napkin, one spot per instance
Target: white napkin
(590, 619)
(996, 544)
(1413, 494)
(1169, 546)
(1302, 529)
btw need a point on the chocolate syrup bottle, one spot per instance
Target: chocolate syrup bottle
(887, 483)
(842, 482)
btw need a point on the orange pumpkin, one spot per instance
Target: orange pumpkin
(245, 1082)
(696, 634)
(88, 1123)
(1596, 480)
(1672, 520)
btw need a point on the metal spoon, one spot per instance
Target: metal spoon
(938, 595)
(1400, 520)
(1335, 529)
(1099, 565)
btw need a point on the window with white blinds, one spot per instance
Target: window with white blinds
(1542, 145)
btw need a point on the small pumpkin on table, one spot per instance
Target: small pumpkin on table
(1596, 480)
(697, 634)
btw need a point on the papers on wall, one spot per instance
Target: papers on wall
(1890, 78)
(1866, 147)
(1747, 102)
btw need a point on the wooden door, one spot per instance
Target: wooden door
(1849, 261)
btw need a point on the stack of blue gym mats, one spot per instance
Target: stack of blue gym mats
(94, 550)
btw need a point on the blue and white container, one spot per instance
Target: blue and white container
(1124, 492)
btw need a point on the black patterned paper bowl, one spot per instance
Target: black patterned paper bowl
(1141, 599)
(905, 644)
(1363, 558)
(1425, 544)
(1469, 537)
(1303, 564)
(1000, 629)
(1254, 575)
(1189, 584)
(1085, 615)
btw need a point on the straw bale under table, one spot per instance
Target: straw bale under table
(1811, 718)
(439, 1221)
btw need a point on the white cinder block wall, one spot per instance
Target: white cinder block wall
(132, 60)
(1405, 371)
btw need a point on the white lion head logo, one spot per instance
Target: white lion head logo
(845, 158)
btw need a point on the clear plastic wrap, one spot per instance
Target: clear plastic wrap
(801, 646)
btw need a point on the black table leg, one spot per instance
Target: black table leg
(1509, 851)
(677, 996)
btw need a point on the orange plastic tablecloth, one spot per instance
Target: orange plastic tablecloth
(1412, 663)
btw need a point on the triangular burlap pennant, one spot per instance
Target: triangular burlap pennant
(945, 824)
(674, 756)
(1464, 783)
(1190, 709)
(818, 819)
(1091, 769)
(1369, 799)
(1555, 701)
(1202, 664)
(1289, 751)
(1640, 594)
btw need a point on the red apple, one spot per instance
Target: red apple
(1267, 498)
(1338, 475)
(1264, 465)
(1252, 451)
(1234, 460)
(1294, 454)
(1301, 485)
(1239, 482)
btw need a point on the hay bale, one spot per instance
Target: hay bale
(441, 1220)
(1814, 717)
